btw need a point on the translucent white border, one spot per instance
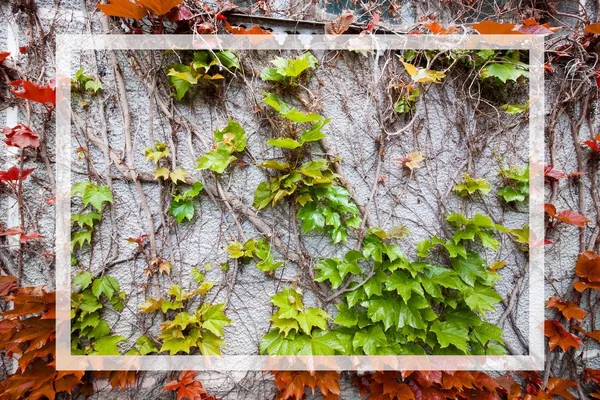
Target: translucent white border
(66, 44)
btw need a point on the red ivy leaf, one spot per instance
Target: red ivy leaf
(4, 55)
(372, 24)
(559, 337)
(31, 91)
(566, 216)
(21, 136)
(553, 173)
(12, 174)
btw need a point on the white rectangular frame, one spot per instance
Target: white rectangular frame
(67, 44)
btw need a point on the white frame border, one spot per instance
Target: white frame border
(67, 44)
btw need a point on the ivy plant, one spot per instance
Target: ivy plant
(183, 331)
(90, 334)
(93, 197)
(391, 305)
(228, 141)
(469, 185)
(182, 203)
(324, 204)
(254, 250)
(205, 66)
(287, 70)
(516, 188)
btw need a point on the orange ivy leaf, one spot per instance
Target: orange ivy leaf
(558, 387)
(31, 91)
(341, 24)
(159, 7)
(292, 384)
(567, 216)
(122, 9)
(569, 310)
(531, 26)
(7, 285)
(118, 379)
(438, 29)
(559, 337)
(240, 30)
(593, 28)
(187, 387)
(587, 269)
(489, 27)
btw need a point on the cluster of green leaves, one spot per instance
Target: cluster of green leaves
(92, 196)
(479, 227)
(392, 306)
(503, 66)
(324, 205)
(183, 331)
(85, 83)
(182, 204)
(287, 70)
(407, 99)
(470, 185)
(254, 250)
(90, 334)
(499, 65)
(205, 66)
(516, 187)
(228, 141)
(297, 329)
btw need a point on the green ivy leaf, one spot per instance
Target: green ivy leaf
(182, 210)
(482, 298)
(504, 71)
(106, 285)
(107, 345)
(288, 112)
(96, 195)
(83, 280)
(213, 318)
(286, 68)
(449, 333)
(216, 160)
(312, 317)
(285, 143)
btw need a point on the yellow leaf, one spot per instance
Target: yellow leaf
(161, 172)
(415, 159)
(411, 69)
(179, 174)
(496, 265)
(150, 305)
(164, 267)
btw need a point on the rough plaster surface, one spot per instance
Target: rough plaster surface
(344, 89)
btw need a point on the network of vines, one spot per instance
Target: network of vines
(386, 302)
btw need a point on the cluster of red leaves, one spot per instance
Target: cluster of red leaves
(28, 330)
(594, 144)
(438, 385)
(14, 174)
(27, 90)
(187, 387)
(566, 216)
(21, 136)
(293, 384)
(23, 237)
